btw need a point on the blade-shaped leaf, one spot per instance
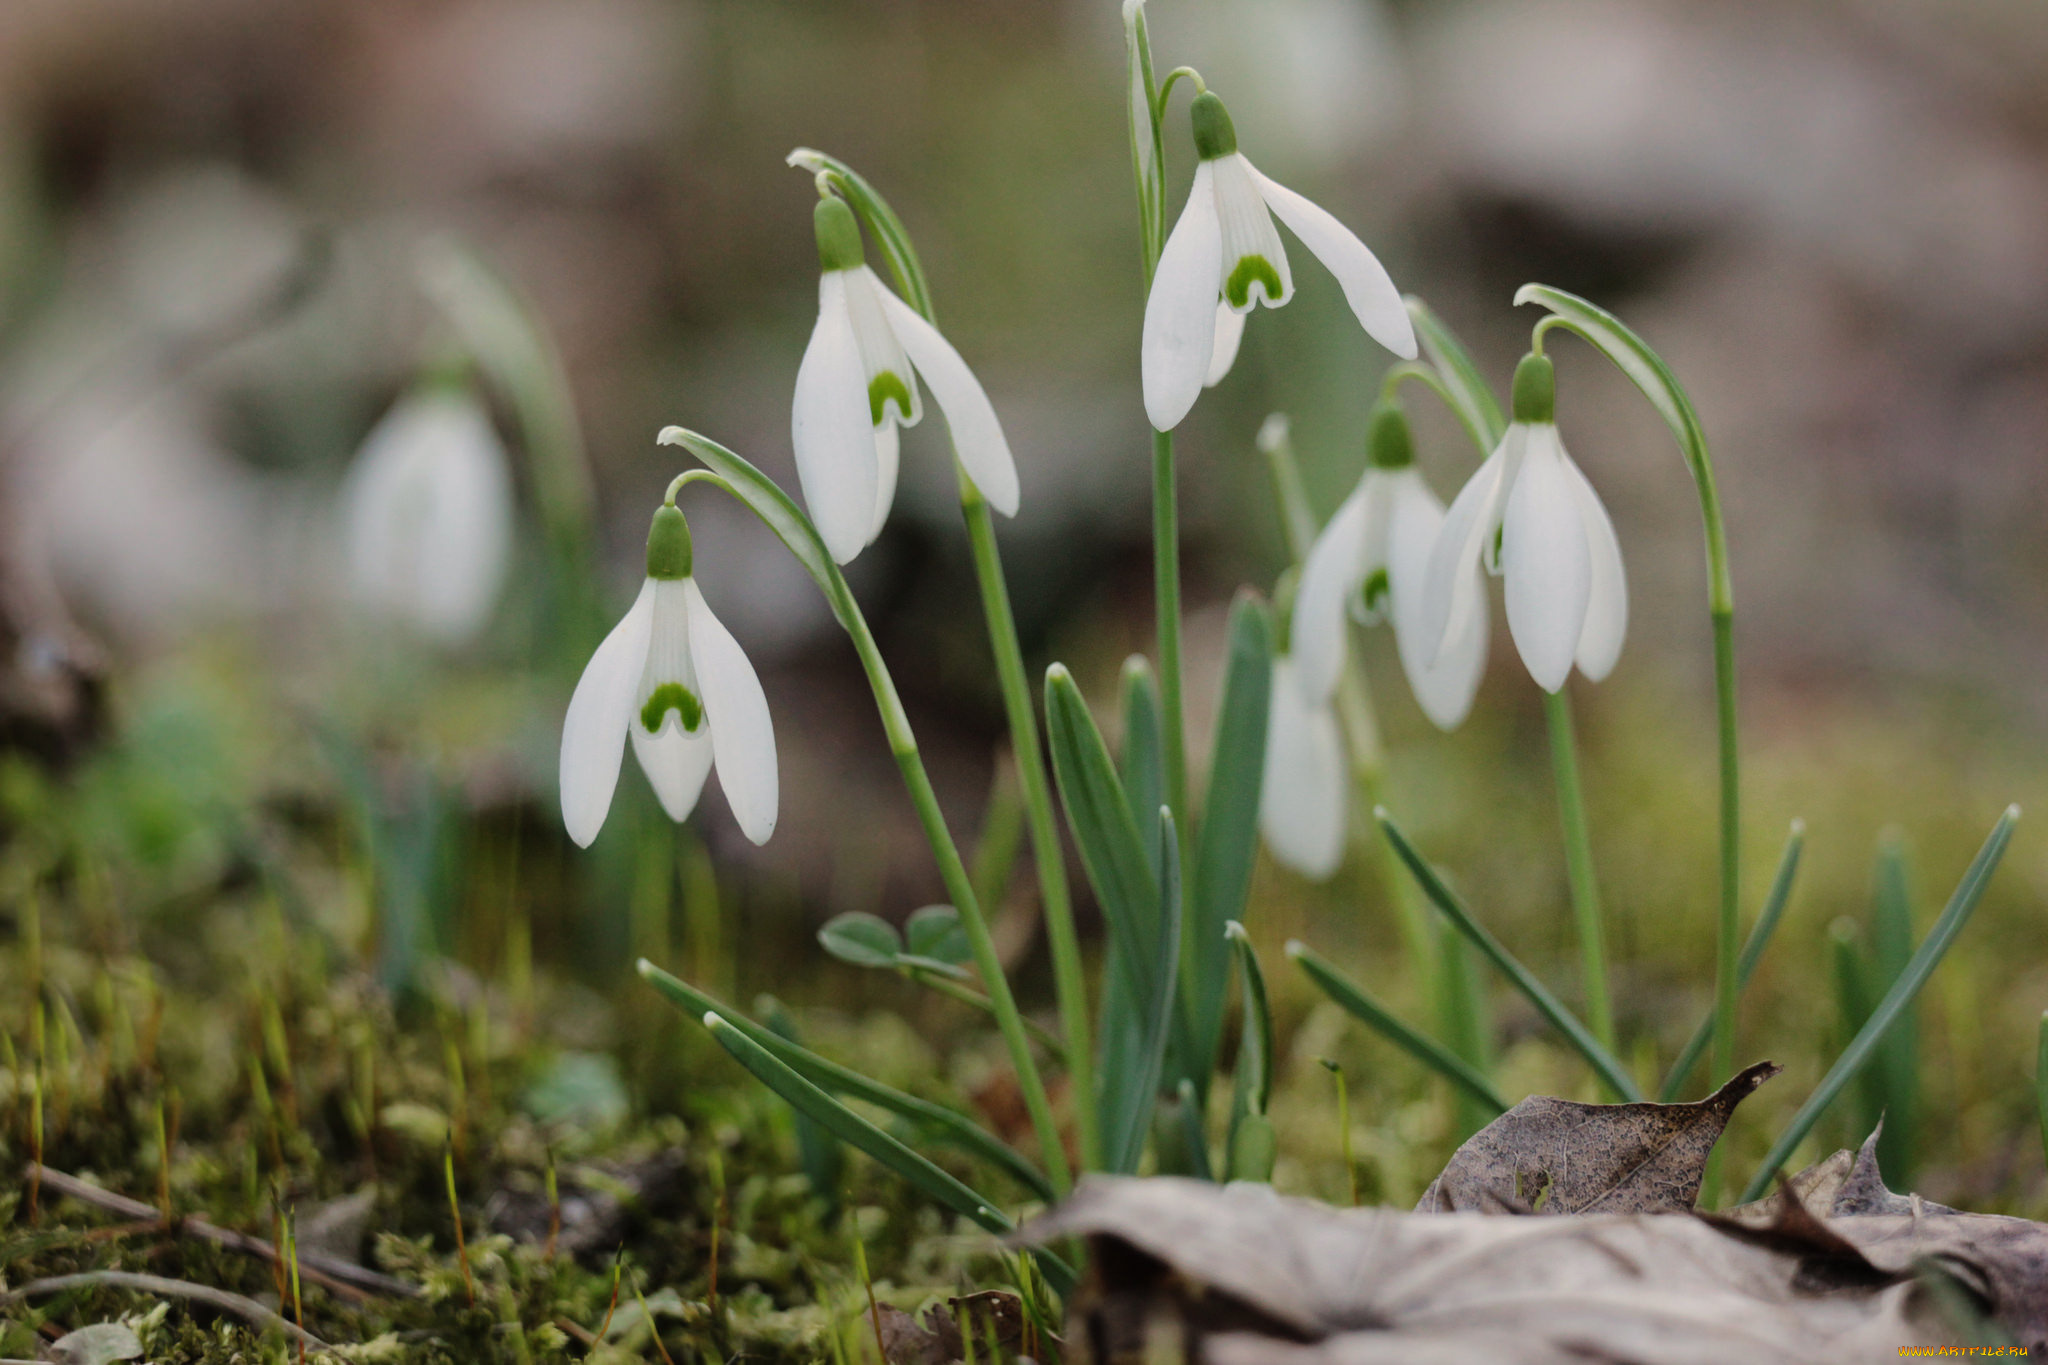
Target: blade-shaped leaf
(1118, 864)
(1752, 953)
(1130, 1118)
(860, 938)
(934, 1120)
(1250, 1147)
(1470, 398)
(1898, 1055)
(823, 1159)
(1446, 900)
(1229, 837)
(1415, 1043)
(1925, 959)
(856, 1131)
(1142, 765)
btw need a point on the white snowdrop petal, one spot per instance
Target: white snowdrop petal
(1302, 799)
(1180, 312)
(891, 386)
(676, 763)
(1443, 688)
(1450, 595)
(735, 708)
(829, 426)
(1607, 600)
(600, 711)
(1545, 562)
(888, 456)
(1254, 259)
(1367, 286)
(1229, 334)
(466, 551)
(1331, 574)
(977, 436)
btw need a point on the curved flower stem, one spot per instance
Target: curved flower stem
(1578, 865)
(1070, 983)
(781, 516)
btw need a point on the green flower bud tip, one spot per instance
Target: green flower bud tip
(1388, 442)
(838, 235)
(1215, 135)
(1535, 389)
(668, 544)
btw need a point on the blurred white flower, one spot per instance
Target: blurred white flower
(1532, 517)
(427, 515)
(1371, 563)
(1303, 795)
(672, 677)
(1225, 256)
(857, 385)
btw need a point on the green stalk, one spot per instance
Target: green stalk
(1069, 981)
(762, 497)
(1578, 864)
(1166, 596)
(1925, 959)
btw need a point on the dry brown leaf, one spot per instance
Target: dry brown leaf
(1548, 1155)
(936, 1340)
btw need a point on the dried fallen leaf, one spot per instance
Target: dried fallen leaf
(1554, 1156)
(936, 1340)
(100, 1344)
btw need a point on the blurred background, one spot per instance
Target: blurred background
(1831, 216)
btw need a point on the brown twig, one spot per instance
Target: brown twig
(247, 1309)
(342, 1277)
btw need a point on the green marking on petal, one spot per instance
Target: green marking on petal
(1249, 269)
(671, 696)
(886, 388)
(1374, 592)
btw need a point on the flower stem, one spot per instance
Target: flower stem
(1070, 982)
(1578, 862)
(1166, 596)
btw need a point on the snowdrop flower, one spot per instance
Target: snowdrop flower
(1371, 563)
(1530, 515)
(672, 677)
(427, 515)
(1303, 794)
(858, 384)
(1224, 256)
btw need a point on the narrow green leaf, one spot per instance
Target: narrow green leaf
(860, 938)
(1249, 1146)
(935, 932)
(1853, 994)
(1463, 1017)
(1142, 765)
(1001, 838)
(1752, 953)
(1416, 1044)
(936, 1121)
(1228, 841)
(856, 1131)
(1898, 1055)
(1470, 398)
(1633, 357)
(1118, 864)
(1194, 1142)
(1953, 917)
(1566, 1023)
(823, 1159)
(1126, 1123)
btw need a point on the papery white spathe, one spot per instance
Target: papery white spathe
(1225, 247)
(1303, 794)
(1532, 517)
(669, 640)
(427, 515)
(858, 384)
(1388, 526)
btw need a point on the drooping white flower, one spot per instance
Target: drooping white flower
(1371, 563)
(672, 678)
(1302, 800)
(858, 384)
(1224, 256)
(427, 515)
(1532, 517)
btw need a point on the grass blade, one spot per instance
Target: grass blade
(1142, 764)
(1897, 1067)
(942, 1124)
(1126, 1124)
(1446, 900)
(1953, 917)
(1418, 1045)
(1098, 813)
(1752, 953)
(855, 1131)
(1228, 841)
